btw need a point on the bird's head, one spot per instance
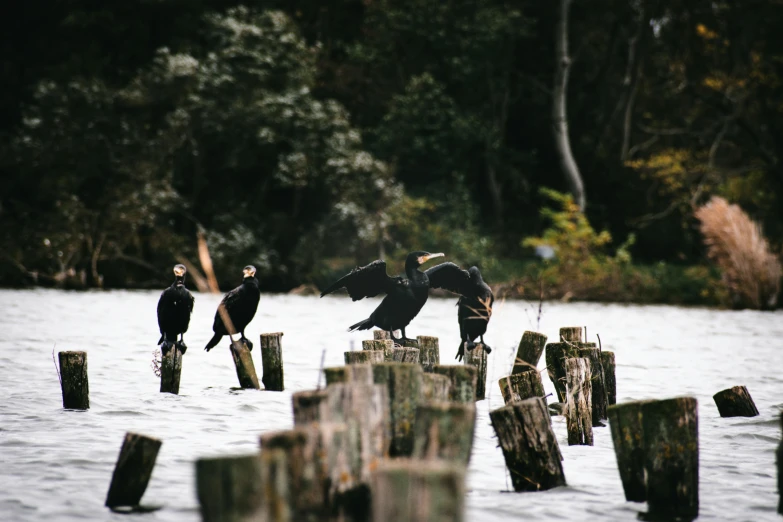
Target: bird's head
(249, 271)
(180, 271)
(475, 273)
(418, 258)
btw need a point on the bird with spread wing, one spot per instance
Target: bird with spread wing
(474, 309)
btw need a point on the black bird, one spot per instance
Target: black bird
(240, 304)
(404, 297)
(174, 308)
(475, 309)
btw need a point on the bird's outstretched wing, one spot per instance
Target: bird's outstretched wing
(365, 281)
(450, 277)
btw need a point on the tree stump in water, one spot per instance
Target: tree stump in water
(364, 357)
(625, 422)
(429, 352)
(133, 470)
(170, 371)
(444, 430)
(529, 445)
(403, 355)
(608, 364)
(598, 393)
(435, 387)
(380, 335)
(73, 380)
(231, 488)
(309, 406)
(403, 382)
(521, 386)
(414, 491)
(463, 380)
(571, 334)
(246, 370)
(578, 410)
(272, 361)
(478, 358)
(529, 351)
(671, 461)
(556, 354)
(735, 402)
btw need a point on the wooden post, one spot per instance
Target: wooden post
(170, 371)
(478, 358)
(334, 375)
(403, 382)
(625, 422)
(529, 445)
(572, 334)
(364, 357)
(598, 393)
(529, 351)
(521, 386)
(272, 361)
(411, 343)
(463, 380)
(73, 380)
(411, 491)
(132, 471)
(608, 363)
(578, 409)
(735, 402)
(246, 370)
(231, 488)
(403, 355)
(309, 406)
(556, 354)
(671, 460)
(378, 344)
(429, 352)
(434, 387)
(444, 430)
(380, 334)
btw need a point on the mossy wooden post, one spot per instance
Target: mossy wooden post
(405, 354)
(435, 387)
(478, 358)
(529, 445)
(671, 457)
(309, 406)
(378, 344)
(556, 354)
(463, 380)
(246, 370)
(735, 402)
(608, 364)
(529, 351)
(381, 335)
(521, 386)
(73, 380)
(133, 470)
(403, 382)
(598, 392)
(578, 410)
(231, 488)
(444, 430)
(272, 361)
(170, 371)
(625, 422)
(779, 456)
(334, 374)
(571, 334)
(364, 357)
(413, 491)
(429, 352)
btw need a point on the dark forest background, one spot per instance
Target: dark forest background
(305, 137)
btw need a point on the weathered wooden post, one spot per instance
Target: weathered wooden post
(132, 471)
(429, 352)
(463, 380)
(411, 491)
(334, 374)
(578, 409)
(403, 382)
(378, 344)
(521, 386)
(625, 422)
(231, 488)
(309, 406)
(529, 351)
(671, 460)
(598, 393)
(406, 354)
(571, 334)
(272, 361)
(478, 358)
(246, 370)
(529, 445)
(73, 380)
(364, 357)
(381, 335)
(170, 371)
(435, 387)
(735, 402)
(608, 364)
(444, 430)
(556, 354)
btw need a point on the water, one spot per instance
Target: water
(57, 464)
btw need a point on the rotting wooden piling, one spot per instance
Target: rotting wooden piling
(231, 488)
(378, 344)
(133, 470)
(334, 374)
(435, 387)
(272, 361)
(463, 379)
(521, 386)
(309, 406)
(405, 354)
(444, 430)
(170, 371)
(556, 354)
(429, 352)
(414, 491)
(73, 380)
(381, 335)
(529, 351)
(625, 422)
(529, 445)
(609, 365)
(578, 405)
(246, 370)
(477, 357)
(364, 357)
(598, 393)
(735, 402)
(403, 382)
(571, 334)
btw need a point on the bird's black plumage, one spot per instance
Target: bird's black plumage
(474, 311)
(174, 308)
(240, 304)
(404, 297)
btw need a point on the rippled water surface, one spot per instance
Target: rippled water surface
(57, 464)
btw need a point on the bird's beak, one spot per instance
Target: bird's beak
(179, 272)
(424, 259)
(248, 273)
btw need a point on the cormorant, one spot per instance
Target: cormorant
(240, 304)
(174, 308)
(475, 309)
(404, 297)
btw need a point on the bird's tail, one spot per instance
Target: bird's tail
(213, 342)
(361, 325)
